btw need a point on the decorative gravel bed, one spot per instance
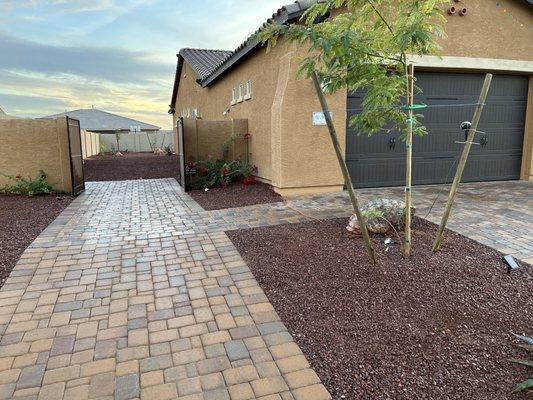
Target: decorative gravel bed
(436, 327)
(22, 219)
(131, 166)
(235, 195)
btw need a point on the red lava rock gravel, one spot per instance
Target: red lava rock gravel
(436, 327)
(235, 195)
(22, 219)
(131, 166)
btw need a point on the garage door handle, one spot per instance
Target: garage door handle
(392, 143)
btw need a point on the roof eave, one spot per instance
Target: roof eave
(177, 78)
(282, 17)
(239, 55)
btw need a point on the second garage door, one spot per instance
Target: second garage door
(379, 160)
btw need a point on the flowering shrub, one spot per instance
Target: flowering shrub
(212, 172)
(216, 172)
(28, 186)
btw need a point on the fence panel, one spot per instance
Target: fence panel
(90, 143)
(138, 142)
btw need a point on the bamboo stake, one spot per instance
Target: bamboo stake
(409, 162)
(344, 169)
(462, 161)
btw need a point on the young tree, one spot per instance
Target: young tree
(365, 45)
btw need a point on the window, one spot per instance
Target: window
(242, 90)
(248, 92)
(233, 96)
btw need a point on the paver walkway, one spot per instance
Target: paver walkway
(497, 214)
(136, 292)
(130, 293)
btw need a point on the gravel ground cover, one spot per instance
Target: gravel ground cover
(436, 327)
(131, 166)
(22, 219)
(235, 195)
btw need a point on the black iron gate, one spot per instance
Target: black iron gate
(181, 152)
(76, 157)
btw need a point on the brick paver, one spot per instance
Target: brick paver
(497, 214)
(134, 292)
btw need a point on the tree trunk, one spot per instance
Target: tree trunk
(409, 162)
(344, 169)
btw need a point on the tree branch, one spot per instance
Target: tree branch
(381, 16)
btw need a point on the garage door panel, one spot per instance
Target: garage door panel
(377, 172)
(373, 162)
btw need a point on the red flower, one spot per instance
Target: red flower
(191, 164)
(247, 136)
(18, 177)
(226, 171)
(249, 181)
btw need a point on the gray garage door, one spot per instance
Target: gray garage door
(379, 160)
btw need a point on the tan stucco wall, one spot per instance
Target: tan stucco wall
(284, 143)
(28, 146)
(211, 102)
(487, 31)
(296, 157)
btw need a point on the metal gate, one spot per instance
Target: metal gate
(379, 160)
(76, 157)
(181, 152)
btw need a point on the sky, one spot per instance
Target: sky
(116, 55)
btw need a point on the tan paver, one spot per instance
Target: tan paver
(134, 293)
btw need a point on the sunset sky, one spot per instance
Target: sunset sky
(115, 55)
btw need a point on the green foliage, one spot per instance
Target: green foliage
(528, 383)
(364, 46)
(523, 386)
(227, 145)
(28, 186)
(218, 172)
(104, 149)
(370, 214)
(221, 172)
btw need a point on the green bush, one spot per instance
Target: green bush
(28, 186)
(217, 172)
(104, 149)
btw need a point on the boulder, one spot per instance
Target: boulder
(380, 214)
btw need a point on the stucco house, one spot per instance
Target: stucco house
(295, 155)
(94, 120)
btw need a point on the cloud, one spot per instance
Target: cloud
(109, 64)
(60, 5)
(118, 55)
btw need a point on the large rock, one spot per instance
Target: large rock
(380, 214)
